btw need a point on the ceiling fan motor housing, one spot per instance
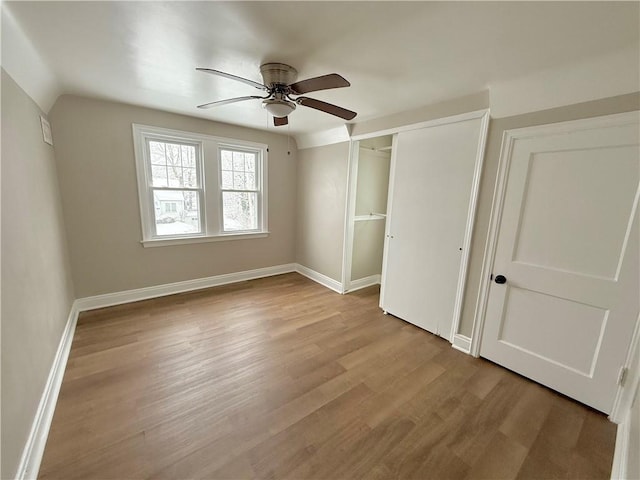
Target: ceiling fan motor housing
(278, 74)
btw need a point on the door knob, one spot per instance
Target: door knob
(501, 279)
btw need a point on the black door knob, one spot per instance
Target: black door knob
(501, 279)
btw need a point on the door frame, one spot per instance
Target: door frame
(506, 152)
(349, 285)
(458, 341)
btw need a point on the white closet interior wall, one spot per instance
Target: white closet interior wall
(372, 186)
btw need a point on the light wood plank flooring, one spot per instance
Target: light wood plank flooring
(282, 378)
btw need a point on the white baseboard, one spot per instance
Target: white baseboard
(320, 278)
(128, 296)
(34, 448)
(462, 343)
(363, 283)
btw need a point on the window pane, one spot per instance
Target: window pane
(238, 161)
(176, 212)
(250, 162)
(227, 163)
(227, 179)
(173, 154)
(238, 180)
(156, 152)
(250, 181)
(175, 176)
(188, 156)
(240, 211)
(158, 176)
(189, 177)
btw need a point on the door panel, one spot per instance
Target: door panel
(568, 246)
(567, 319)
(432, 179)
(553, 233)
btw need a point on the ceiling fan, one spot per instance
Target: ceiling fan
(281, 87)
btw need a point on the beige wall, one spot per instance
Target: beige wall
(623, 103)
(368, 248)
(322, 186)
(447, 108)
(372, 184)
(37, 292)
(95, 157)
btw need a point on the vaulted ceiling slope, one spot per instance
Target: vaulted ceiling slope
(397, 55)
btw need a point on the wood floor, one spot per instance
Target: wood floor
(282, 378)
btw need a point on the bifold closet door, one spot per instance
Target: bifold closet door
(431, 185)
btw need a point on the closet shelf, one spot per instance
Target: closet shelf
(379, 150)
(371, 216)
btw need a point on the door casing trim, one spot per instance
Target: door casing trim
(509, 138)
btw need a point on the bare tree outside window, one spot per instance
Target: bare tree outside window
(239, 190)
(197, 188)
(173, 167)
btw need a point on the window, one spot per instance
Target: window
(239, 190)
(195, 188)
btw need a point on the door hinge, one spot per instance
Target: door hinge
(622, 376)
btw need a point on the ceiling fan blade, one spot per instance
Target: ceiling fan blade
(233, 77)
(279, 121)
(229, 100)
(325, 82)
(326, 107)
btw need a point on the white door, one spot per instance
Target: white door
(567, 245)
(432, 183)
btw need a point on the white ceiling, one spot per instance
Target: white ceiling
(397, 55)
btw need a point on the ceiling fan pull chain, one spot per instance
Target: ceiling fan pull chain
(288, 138)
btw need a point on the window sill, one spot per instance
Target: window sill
(164, 242)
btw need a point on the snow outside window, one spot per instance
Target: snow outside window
(196, 187)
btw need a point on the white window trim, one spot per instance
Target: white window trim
(258, 180)
(211, 231)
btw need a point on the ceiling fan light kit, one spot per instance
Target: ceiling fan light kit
(279, 81)
(279, 108)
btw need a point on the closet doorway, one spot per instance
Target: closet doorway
(366, 212)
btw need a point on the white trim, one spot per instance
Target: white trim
(621, 452)
(350, 211)
(508, 139)
(159, 242)
(34, 448)
(320, 278)
(461, 342)
(361, 283)
(209, 190)
(468, 231)
(171, 133)
(427, 124)
(625, 394)
(387, 226)
(128, 296)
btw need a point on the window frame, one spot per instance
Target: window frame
(209, 176)
(258, 183)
